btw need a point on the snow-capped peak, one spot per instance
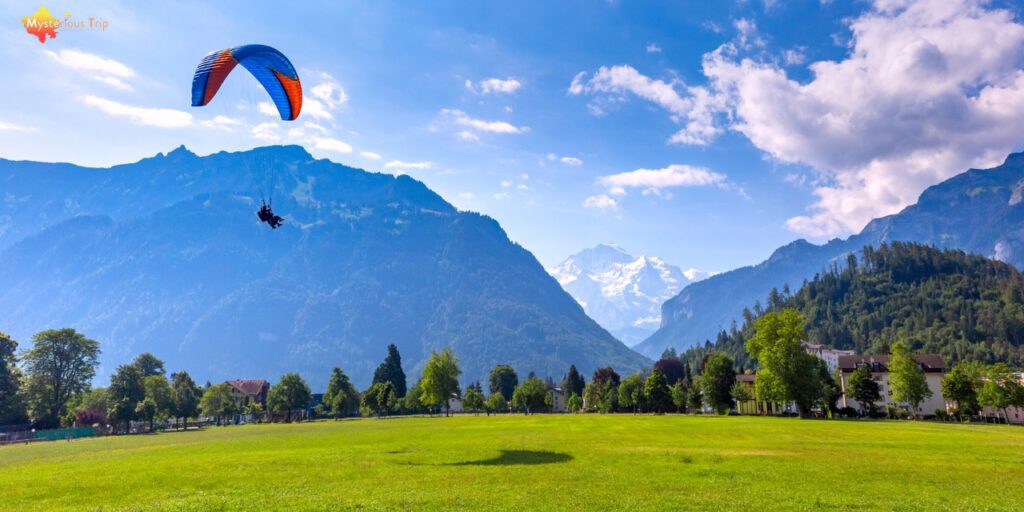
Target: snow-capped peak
(622, 292)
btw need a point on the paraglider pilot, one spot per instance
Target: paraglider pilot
(267, 215)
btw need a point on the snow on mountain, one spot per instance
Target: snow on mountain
(622, 292)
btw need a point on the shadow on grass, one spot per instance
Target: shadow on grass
(518, 458)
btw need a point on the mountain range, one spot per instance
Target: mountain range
(979, 211)
(166, 255)
(622, 292)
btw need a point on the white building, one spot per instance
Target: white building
(829, 355)
(455, 403)
(933, 367)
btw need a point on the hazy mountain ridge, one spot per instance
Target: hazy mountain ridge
(978, 211)
(166, 255)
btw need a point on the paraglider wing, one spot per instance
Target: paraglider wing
(270, 67)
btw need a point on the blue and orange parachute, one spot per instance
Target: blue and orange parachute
(270, 67)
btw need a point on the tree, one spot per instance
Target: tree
(1000, 389)
(776, 345)
(158, 390)
(341, 396)
(496, 403)
(440, 379)
(185, 395)
(768, 389)
(830, 392)
(126, 391)
(656, 390)
(530, 395)
(573, 382)
(864, 389)
(716, 382)
(631, 393)
(411, 402)
(290, 394)
(605, 389)
(12, 407)
(60, 364)
(906, 378)
(694, 400)
(680, 392)
(146, 411)
(504, 380)
(218, 401)
(380, 398)
(148, 364)
(574, 403)
(95, 401)
(474, 400)
(741, 393)
(961, 385)
(672, 368)
(391, 370)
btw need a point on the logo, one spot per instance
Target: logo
(43, 25)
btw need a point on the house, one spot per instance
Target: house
(932, 364)
(1014, 415)
(455, 403)
(829, 355)
(557, 400)
(246, 391)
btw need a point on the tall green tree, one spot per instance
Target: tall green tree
(657, 392)
(380, 398)
(158, 390)
(290, 394)
(961, 385)
(768, 389)
(440, 379)
(148, 364)
(530, 395)
(12, 406)
(680, 393)
(574, 404)
(907, 381)
(341, 396)
(716, 382)
(185, 395)
(694, 400)
(776, 346)
(631, 393)
(60, 364)
(864, 389)
(503, 380)
(741, 393)
(218, 402)
(574, 382)
(391, 371)
(145, 410)
(126, 390)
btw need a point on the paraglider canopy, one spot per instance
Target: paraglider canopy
(270, 67)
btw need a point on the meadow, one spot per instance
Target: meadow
(540, 462)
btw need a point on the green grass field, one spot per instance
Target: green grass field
(542, 462)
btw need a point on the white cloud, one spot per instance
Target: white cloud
(159, 117)
(268, 108)
(601, 202)
(571, 160)
(460, 118)
(927, 90)
(495, 86)
(794, 56)
(313, 108)
(653, 180)
(467, 136)
(653, 48)
(266, 131)
(330, 92)
(398, 164)
(694, 104)
(315, 127)
(506, 184)
(331, 144)
(222, 123)
(12, 127)
(466, 195)
(108, 71)
(369, 155)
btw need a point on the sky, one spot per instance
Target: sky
(705, 133)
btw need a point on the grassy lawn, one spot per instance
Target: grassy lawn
(589, 462)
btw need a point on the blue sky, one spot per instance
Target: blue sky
(707, 133)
